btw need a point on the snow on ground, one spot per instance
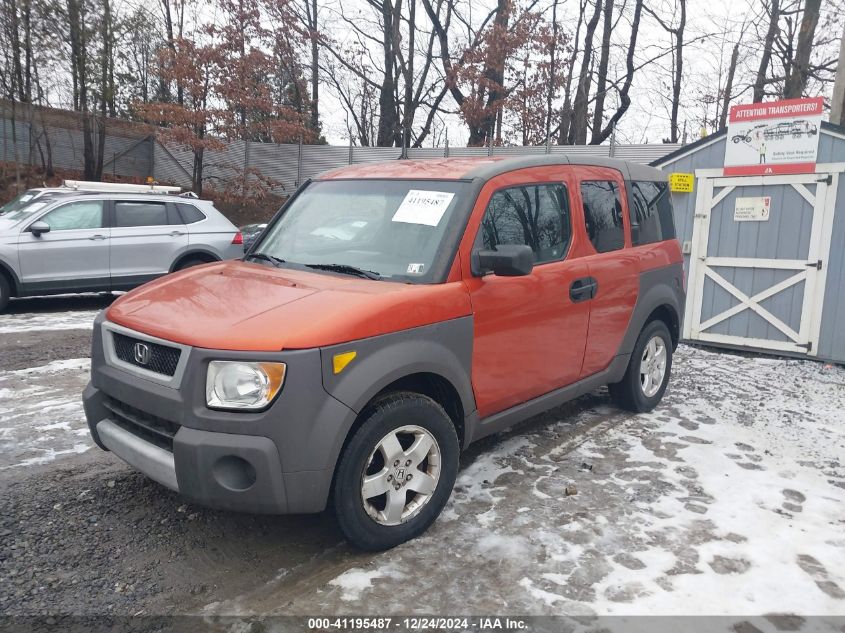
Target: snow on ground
(729, 499)
(30, 322)
(41, 417)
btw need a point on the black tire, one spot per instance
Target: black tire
(628, 393)
(5, 292)
(391, 412)
(190, 262)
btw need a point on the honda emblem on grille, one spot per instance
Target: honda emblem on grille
(142, 353)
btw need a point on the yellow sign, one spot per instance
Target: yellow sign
(682, 183)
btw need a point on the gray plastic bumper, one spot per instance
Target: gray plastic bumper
(156, 463)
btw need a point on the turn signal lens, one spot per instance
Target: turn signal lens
(242, 385)
(340, 361)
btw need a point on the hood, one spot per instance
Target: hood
(245, 306)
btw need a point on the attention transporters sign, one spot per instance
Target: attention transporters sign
(781, 137)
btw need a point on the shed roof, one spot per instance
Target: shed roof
(711, 138)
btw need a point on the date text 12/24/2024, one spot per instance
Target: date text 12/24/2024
(417, 623)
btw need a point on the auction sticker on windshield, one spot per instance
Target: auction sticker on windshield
(423, 207)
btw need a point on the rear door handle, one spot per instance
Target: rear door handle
(97, 237)
(583, 289)
(176, 233)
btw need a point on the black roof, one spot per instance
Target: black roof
(629, 170)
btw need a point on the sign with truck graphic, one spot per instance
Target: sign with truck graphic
(781, 137)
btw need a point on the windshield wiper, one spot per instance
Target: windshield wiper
(346, 269)
(265, 257)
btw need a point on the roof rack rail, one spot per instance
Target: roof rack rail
(113, 187)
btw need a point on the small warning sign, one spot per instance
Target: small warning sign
(681, 183)
(752, 209)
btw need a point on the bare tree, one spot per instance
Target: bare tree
(837, 107)
(773, 11)
(676, 31)
(797, 74)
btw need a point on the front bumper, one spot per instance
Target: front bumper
(277, 461)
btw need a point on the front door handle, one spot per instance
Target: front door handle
(583, 289)
(97, 237)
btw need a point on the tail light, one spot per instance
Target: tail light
(238, 239)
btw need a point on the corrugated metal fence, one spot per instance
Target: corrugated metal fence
(135, 150)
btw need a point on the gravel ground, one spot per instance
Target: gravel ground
(729, 492)
(24, 349)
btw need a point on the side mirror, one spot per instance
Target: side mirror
(508, 260)
(37, 228)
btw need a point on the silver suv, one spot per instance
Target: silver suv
(82, 241)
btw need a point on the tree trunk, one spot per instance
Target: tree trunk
(389, 125)
(78, 58)
(729, 83)
(550, 90)
(601, 77)
(566, 109)
(679, 71)
(315, 64)
(796, 80)
(766, 57)
(408, 107)
(487, 127)
(837, 106)
(27, 44)
(624, 97)
(578, 128)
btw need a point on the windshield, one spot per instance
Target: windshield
(26, 210)
(393, 228)
(19, 201)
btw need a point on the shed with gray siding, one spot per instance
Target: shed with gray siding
(777, 284)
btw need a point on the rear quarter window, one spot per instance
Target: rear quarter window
(190, 214)
(652, 219)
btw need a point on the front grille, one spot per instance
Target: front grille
(160, 359)
(149, 427)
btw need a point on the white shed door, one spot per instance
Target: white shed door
(757, 272)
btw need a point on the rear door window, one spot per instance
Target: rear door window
(603, 214)
(87, 214)
(128, 214)
(536, 215)
(651, 212)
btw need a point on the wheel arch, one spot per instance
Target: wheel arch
(14, 283)
(206, 255)
(429, 384)
(669, 315)
(661, 297)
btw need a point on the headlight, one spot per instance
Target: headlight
(241, 385)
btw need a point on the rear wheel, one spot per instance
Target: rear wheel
(645, 380)
(190, 262)
(5, 292)
(397, 472)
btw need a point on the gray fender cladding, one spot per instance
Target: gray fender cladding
(658, 287)
(443, 349)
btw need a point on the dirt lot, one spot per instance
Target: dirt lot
(728, 499)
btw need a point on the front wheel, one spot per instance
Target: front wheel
(397, 472)
(645, 380)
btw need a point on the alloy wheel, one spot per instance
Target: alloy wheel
(400, 475)
(653, 366)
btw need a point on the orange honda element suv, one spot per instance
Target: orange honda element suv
(389, 316)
